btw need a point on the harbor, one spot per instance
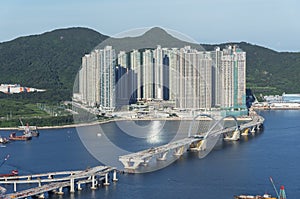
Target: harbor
(238, 159)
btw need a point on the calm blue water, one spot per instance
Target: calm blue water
(232, 168)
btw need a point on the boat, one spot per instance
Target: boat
(3, 140)
(31, 130)
(12, 173)
(265, 196)
(14, 137)
(280, 195)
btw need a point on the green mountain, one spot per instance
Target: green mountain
(48, 61)
(150, 39)
(51, 61)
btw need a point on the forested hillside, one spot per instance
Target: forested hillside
(51, 61)
(48, 61)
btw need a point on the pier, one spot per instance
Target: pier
(54, 182)
(197, 142)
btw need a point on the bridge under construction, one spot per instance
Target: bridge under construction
(55, 182)
(197, 142)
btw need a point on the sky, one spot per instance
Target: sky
(270, 23)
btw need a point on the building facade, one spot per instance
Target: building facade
(97, 78)
(190, 78)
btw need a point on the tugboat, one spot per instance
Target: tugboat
(31, 130)
(28, 129)
(281, 194)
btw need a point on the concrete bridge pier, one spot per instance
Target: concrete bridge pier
(41, 196)
(131, 163)
(236, 135)
(72, 187)
(15, 187)
(115, 179)
(60, 191)
(147, 160)
(79, 187)
(179, 151)
(200, 146)
(106, 183)
(253, 129)
(245, 132)
(162, 156)
(94, 183)
(258, 127)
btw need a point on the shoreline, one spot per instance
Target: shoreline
(247, 118)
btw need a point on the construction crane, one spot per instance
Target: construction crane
(281, 194)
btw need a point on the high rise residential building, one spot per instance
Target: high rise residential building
(148, 77)
(192, 79)
(191, 75)
(97, 78)
(232, 75)
(136, 67)
(158, 73)
(107, 77)
(123, 59)
(173, 70)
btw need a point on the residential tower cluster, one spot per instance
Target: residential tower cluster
(189, 78)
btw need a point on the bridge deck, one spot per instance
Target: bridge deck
(159, 150)
(38, 190)
(55, 182)
(142, 156)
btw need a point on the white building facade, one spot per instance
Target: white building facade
(190, 78)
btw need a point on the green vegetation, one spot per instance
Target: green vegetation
(11, 111)
(44, 121)
(48, 61)
(51, 61)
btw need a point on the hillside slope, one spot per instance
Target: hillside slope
(49, 61)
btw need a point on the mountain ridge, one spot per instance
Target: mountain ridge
(51, 60)
(150, 39)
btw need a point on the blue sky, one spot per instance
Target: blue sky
(270, 23)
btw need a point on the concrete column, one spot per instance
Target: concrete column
(253, 129)
(79, 187)
(179, 151)
(40, 184)
(60, 191)
(106, 183)
(163, 156)
(93, 183)
(257, 127)
(41, 196)
(115, 179)
(15, 187)
(72, 189)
